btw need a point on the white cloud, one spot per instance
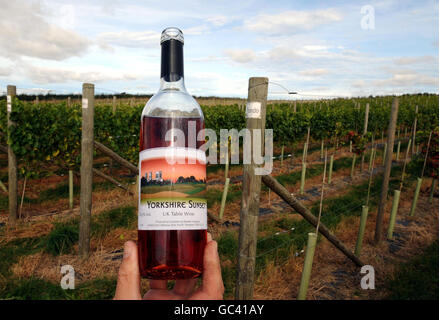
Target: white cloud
(289, 22)
(218, 20)
(45, 75)
(241, 55)
(407, 78)
(415, 60)
(198, 30)
(314, 72)
(25, 32)
(283, 54)
(131, 39)
(5, 71)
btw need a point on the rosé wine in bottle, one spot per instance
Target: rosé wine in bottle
(172, 216)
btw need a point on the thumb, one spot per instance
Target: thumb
(128, 279)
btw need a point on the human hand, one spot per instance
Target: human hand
(128, 281)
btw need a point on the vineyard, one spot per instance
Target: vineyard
(313, 140)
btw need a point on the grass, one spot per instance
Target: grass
(277, 248)
(38, 289)
(214, 195)
(10, 252)
(124, 217)
(61, 191)
(62, 239)
(417, 279)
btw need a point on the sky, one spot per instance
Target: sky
(319, 49)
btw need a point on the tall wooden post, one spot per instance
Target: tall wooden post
(414, 131)
(387, 168)
(251, 188)
(12, 161)
(366, 121)
(114, 104)
(86, 168)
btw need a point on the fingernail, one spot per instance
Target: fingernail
(209, 237)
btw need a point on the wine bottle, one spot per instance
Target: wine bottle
(172, 216)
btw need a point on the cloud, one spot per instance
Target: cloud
(241, 55)
(407, 78)
(218, 21)
(196, 31)
(5, 71)
(131, 39)
(415, 60)
(25, 32)
(314, 72)
(289, 22)
(283, 54)
(45, 75)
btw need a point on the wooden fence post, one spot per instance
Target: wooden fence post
(372, 155)
(251, 189)
(366, 121)
(387, 168)
(114, 104)
(12, 161)
(414, 130)
(86, 168)
(385, 153)
(70, 189)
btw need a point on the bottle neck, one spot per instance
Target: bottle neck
(172, 61)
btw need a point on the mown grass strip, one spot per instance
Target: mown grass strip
(417, 279)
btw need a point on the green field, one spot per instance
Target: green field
(188, 188)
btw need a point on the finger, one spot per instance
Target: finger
(212, 280)
(184, 287)
(128, 279)
(209, 237)
(158, 284)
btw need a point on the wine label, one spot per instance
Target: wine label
(172, 189)
(253, 110)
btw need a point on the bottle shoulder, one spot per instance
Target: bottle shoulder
(172, 103)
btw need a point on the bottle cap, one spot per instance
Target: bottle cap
(172, 33)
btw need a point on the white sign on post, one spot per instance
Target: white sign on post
(253, 110)
(9, 101)
(85, 103)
